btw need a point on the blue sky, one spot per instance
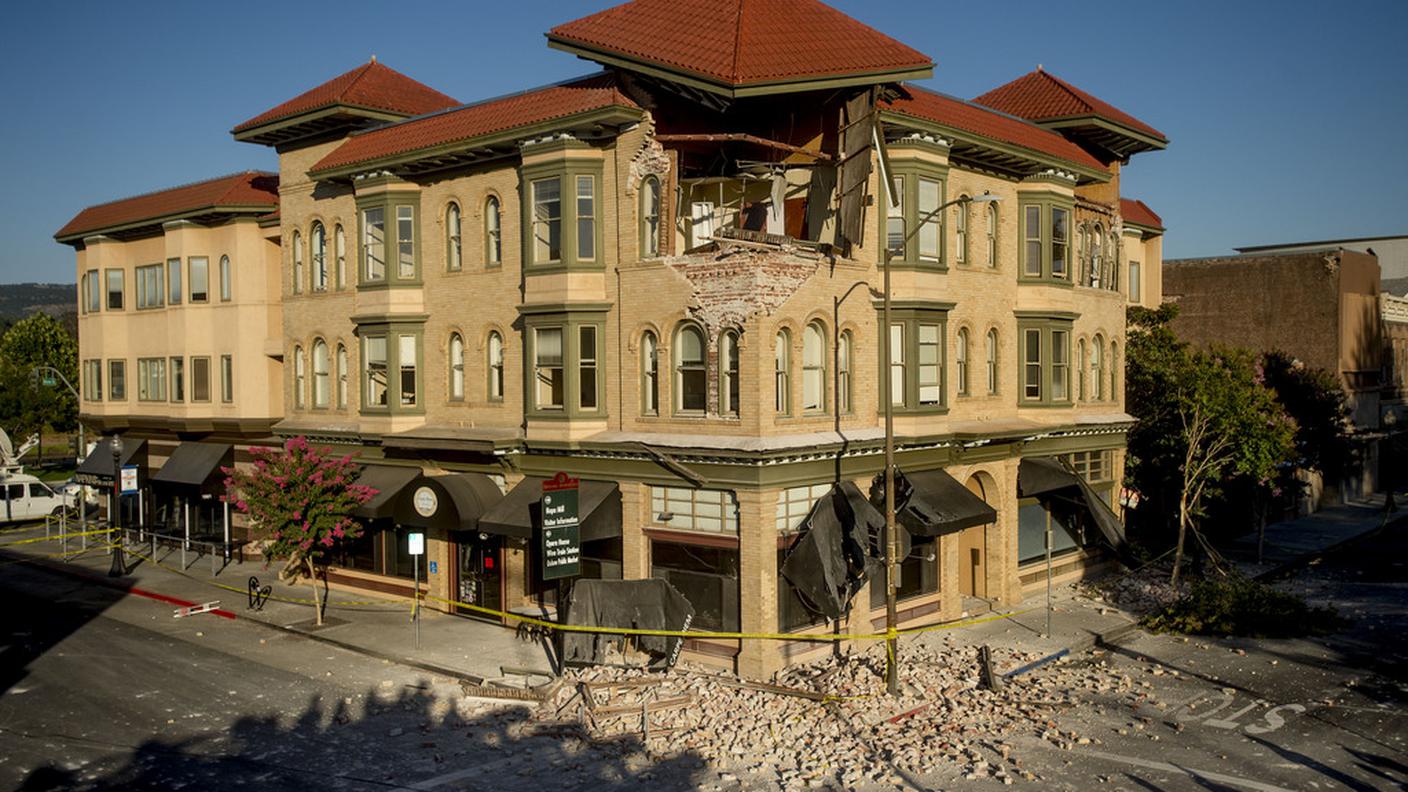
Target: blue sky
(1287, 120)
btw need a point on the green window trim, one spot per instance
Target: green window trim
(1044, 362)
(400, 263)
(387, 336)
(1046, 240)
(922, 187)
(580, 187)
(575, 327)
(920, 333)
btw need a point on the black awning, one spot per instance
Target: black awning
(1039, 475)
(1046, 476)
(388, 482)
(519, 515)
(97, 471)
(197, 465)
(450, 503)
(933, 503)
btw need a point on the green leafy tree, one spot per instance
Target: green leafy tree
(27, 406)
(1317, 402)
(1204, 418)
(299, 500)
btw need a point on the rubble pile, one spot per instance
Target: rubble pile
(829, 723)
(1140, 592)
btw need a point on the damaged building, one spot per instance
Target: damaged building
(663, 278)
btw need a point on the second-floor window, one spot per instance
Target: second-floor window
(115, 289)
(547, 368)
(374, 371)
(781, 376)
(1046, 241)
(813, 368)
(547, 220)
(649, 374)
(150, 286)
(961, 361)
(339, 249)
(917, 359)
(586, 367)
(843, 374)
(406, 242)
(117, 380)
(320, 373)
(200, 279)
(691, 378)
(454, 254)
(496, 367)
(1045, 352)
(728, 360)
(493, 237)
(456, 367)
(374, 244)
(227, 289)
(95, 291)
(406, 364)
(297, 262)
(174, 292)
(650, 217)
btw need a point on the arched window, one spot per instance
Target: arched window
(960, 227)
(318, 240)
(728, 358)
(227, 280)
(782, 389)
(650, 217)
(649, 374)
(961, 361)
(300, 377)
(456, 367)
(453, 258)
(691, 382)
(297, 262)
(814, 368)
(1080, 369)
(339, 251)
(992, 361)
(493, 237)
(320, 373)
(341, 377)
(1112, 251)
(1097, 365)
(992, 235)
(1096, 259)
(496, 366)
(1114, 371)
(843, 374)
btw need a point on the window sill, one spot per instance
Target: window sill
(724, 541)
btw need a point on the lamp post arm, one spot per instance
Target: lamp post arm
(60, 375)
(932, 213)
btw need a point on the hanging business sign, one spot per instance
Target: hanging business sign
(562, 539)
(129, 479)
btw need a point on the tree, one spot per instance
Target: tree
(1204, 417)
(1317, 402)
(26, 406)
(299, 500)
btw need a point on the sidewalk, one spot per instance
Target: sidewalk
(380, 627)
(1077, 624)
(1294, 542)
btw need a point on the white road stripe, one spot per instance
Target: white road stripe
(1191, 771)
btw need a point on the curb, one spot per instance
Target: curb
(117, 584)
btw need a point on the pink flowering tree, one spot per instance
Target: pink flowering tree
(299, 501)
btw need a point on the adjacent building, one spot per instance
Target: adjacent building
(663, 278)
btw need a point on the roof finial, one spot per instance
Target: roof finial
(373, 57)
(1038, 66)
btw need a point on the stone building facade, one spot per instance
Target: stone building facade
(664, 279)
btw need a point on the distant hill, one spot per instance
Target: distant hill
(59, 300)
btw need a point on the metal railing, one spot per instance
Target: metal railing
(221, 553)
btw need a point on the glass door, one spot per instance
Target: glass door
(479, 575)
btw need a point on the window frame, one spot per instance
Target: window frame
(454, 237)
(177, 372)
(960, 231)
(910, 177)
(322, 392)
(318, 256)
(782, 373)
(455, 370)
(960, 362)
(650, 203)
(143, 277)
(1051, 368)
(570, 323)
(992, 351)
(693, 369)
(227, 379)
(117, 379)
(342, 368)
(121, 291)
(175, 282)
(494, 351)
(391, 334)
(296, 250)
(993, 227)
(196, 383)
(730, 384)
(1043, 240)
(814, 368)
(151, 379)
(649, 373)
(493, 232)
(569, 171)
(845, 361)
(906, 361)
(227, 279)
(300, 378)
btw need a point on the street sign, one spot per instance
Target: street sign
(562, 539)
(49, 380)
(415, 544)
(129, 479)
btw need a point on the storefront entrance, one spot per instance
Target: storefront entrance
(479, 574)
(972, 549)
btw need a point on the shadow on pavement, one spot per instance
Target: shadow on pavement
(384, 739)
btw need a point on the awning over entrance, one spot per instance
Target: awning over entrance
(197, 465)
(933, 503)
(451, 503)
(1046, 476)
(97, 470)
(519, 514)
(388, 482)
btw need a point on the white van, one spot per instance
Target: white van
(24, 497)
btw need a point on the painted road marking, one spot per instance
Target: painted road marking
(1274, 715)
(1192, 772)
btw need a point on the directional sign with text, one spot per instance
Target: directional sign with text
(562, 540)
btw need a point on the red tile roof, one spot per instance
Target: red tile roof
(373, 85)
(249, 190)
(471, 121)
(1139, 213)
(1041, 95)
(968, 117)
(741, 42)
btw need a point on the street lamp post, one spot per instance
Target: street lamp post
(892, 674)
(119, 563)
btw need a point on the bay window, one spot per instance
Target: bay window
(919, 190)
(174, 292)
(561, 214)
(1045, 352)
(547, 368)
(564, 363)
(374, 244)
(1046, 239)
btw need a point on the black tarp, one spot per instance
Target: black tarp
(932, 503)
(198, 466)
(651, 604)
(827, 564)
(457, 502)
(519, 516)
(388, 481)
(1046, 477)
(97, 471)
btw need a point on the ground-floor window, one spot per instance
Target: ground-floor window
(206, 515)
(706, 576)
(919, 573)
(1068, 531)
(381, 550)
(792, 611)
